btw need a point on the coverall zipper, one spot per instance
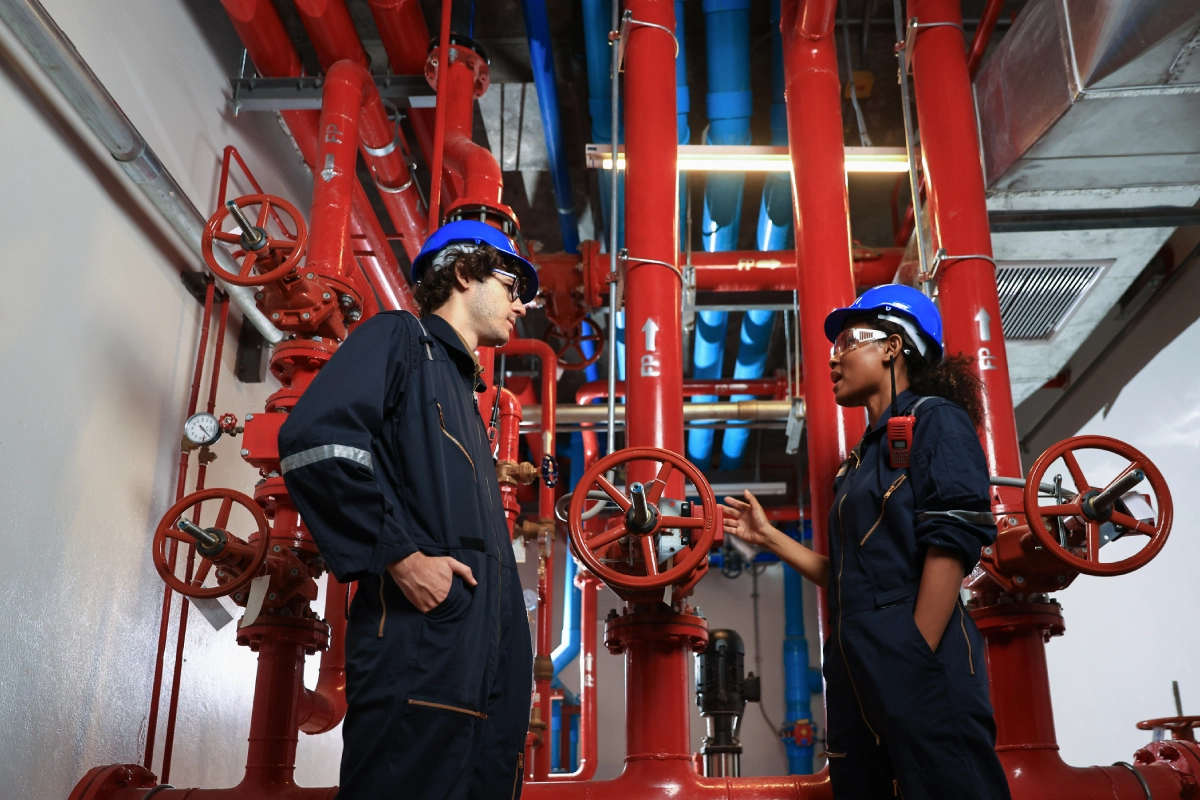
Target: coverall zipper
(444, 707)
(450, 436)
(383, 606)
(517, 775)
(962, 622)
(841, 646)
(883, 506)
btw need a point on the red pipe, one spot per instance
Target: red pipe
(508, 439)
(332, 32)
(405, 36)
(983, 34)
(323, 708)
(814, 110)
(958, 213)
(439, 127)
(723, 387)
(471, 164)
(543, 666)
(172, 550)
(652, 298)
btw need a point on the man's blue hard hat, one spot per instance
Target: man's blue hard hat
(903, 305)
(469, 233)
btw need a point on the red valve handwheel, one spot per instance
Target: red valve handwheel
(1181, 728)
(589, 546)
(288, 249)
(1091, 565)
(166, 530)
(573, 339)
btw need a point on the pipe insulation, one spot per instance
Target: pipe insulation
(66, 69)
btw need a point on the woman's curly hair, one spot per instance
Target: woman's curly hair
(952, 378)
(438, 285)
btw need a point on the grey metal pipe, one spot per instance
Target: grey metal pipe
(752, 410)
(55, 53)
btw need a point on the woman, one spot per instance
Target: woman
(907, 700)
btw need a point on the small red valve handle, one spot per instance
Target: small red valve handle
(229, 424)
(234, 557)
(572, 339)
(278, 255)
(1084, 510)
(1180, 727)
(590, 546)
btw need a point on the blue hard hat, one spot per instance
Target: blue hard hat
(903, 305)
(472, 233)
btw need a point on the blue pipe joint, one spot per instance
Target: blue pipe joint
(708, 359)
(751, 361)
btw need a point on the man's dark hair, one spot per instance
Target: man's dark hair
(952, 378)
(437, 285)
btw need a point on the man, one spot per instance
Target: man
(387, 458)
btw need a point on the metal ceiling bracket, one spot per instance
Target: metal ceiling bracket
(621, 35)
(914, 27)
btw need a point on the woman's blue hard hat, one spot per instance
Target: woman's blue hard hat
(469, 233)
(903, 305)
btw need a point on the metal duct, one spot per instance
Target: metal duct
(55, 53)
(1093, 94)
(1037, 299)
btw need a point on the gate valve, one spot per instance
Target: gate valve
(512, 473)
(1078, 520)
(572, 339)
(1182, 728)
(264, 258)
(237, 561)
(635, 535)
(549, 471)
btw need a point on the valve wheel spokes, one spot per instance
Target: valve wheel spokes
(278, 257)
(572, 340)
(648, 573)
(251, 566)
(1089, 562)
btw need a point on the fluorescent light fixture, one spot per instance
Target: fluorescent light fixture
(753, 158)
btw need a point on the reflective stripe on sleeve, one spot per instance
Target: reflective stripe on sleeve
(312, 456)
(972, 517)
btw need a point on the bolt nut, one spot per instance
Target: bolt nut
(305, 315)
(239, 596)
(987, 551)
(1019, 580)
(249, 417)
(1062, 578)
(346, 300)
(220, 573)
(326, 296)
(1012, 520)
(271, 596)
(295, 571)
(276, 549)
(310, 276)
(258, 295)
(245, 452)
(275, 315)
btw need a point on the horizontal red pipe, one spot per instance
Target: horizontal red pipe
(775, 387)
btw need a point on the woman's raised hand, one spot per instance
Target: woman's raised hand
(747, 521)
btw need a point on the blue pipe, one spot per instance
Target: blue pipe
(751, 359)
(729, 101)
(597, 21)
(541, 58)
(800, 682)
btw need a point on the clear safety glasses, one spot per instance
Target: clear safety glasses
(852, 339)
(514, 288)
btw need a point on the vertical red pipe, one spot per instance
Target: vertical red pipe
(274, 720)
(405, 36)
(172, 551)
(983, 34)
(825, 277)
(654, 381)
(657, 701)
(332, 32)
(439, 126)
(958, 209)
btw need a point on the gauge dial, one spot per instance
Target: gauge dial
(202, 429)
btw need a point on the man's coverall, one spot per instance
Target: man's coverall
(386, 454)
(905, 720)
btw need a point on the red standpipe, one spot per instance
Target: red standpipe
(543, 668)
(469, 168)
(439, 128)
(814, 110)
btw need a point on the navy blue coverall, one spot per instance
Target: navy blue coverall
(905, 720)
(386, 454)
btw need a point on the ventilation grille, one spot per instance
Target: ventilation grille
(1037, 297)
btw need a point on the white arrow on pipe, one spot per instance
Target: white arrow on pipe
(651, 331)
(985, 325)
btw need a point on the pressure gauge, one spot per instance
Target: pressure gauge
(202, 429)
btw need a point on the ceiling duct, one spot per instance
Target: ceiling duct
(1037, 298)
(1093, 94)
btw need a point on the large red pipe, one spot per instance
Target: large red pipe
(323, 708)
(332, 33)
(958, 213)
(825, 282)
(473, 165)
(401, 25)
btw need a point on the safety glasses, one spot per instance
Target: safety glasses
(514, 288)
(852, 339)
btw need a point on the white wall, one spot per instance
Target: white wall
(97, 339)
(1128, 637)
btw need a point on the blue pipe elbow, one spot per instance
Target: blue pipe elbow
(751, 360)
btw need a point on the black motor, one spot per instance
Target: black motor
(722, 691)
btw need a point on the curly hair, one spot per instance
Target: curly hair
(952, 378)
(438, 285)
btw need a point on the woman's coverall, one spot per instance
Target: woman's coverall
(385, 454)
(905, 720)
